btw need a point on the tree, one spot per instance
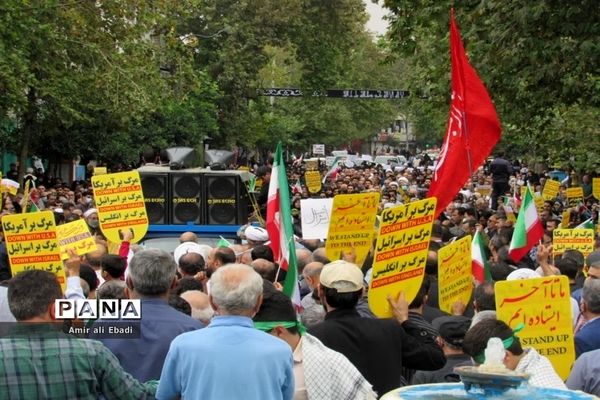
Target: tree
(76, 76)
(539, 60)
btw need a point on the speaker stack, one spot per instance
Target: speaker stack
(194, 196)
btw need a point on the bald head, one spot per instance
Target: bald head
(265, 268)
(198, 301)
(311, 273)
(303, 257)
(320, 255)
(188, 237)
(94, 258)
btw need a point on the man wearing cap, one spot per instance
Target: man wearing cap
(452, 331)
(91, 219)
(378, 348)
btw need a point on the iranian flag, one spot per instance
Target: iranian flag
(279, 226)
(479, 261)
(528, 229)
(587, 224)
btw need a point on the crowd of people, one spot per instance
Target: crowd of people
(216, 325)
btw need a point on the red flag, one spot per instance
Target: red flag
(473, 127)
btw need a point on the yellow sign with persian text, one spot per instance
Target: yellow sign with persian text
(572, 239)
(75, 235)
(31, 243)
(551, 188)
(544, 306)
(455, 278)
(566, 219)
(313, 181)
(120, 203)
(351, 226)
(596, 188)
(400, 253)
(574, 196)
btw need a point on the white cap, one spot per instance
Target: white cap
(190, 247)
(256, 234)
(522, 273)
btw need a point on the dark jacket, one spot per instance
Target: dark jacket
(379, 348)
(443, 375)
(501, 170)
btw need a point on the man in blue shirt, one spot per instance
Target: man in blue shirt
(229, 359)
(151, 276)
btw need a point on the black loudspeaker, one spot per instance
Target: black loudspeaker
(186, 198)
(226, 200)
(155, 187)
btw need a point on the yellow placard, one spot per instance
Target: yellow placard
(523, 190)
(312, 165)
(539, 203)
(551, 188)
(31, 243)
(243, 168)
(574, 196)
(544, 306)
(75, 235)
(596, 188)
(455, 279)
(510, 214)
(351, 225)
(566, 219)
(400, 253)
(313, 181)
(120, 205)
(484, 190)
(572, 239)
(100, 171)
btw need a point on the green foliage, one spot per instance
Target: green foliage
(539, 60)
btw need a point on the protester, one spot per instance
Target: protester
(585, 374)
(229, 359)
(201, 309)
(151, 277)
(87, 369)
(528, 360)
(586, 334)
(378, 348)
(319, 372)
(452, 330)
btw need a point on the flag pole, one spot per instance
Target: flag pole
(464, 97)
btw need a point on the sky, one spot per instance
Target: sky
(376, 23)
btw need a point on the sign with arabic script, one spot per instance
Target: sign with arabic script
(455, 279)
(313, 181)
(31, 243)
(120, 205)
(316, 214)
(352, 225)
(400, 253)
(551, 188)
(572, 239)
(544, 306)
(75, 235)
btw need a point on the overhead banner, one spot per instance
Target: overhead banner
(400, 253)
(455, 278)
(313, 181)
(120, 205)
(316, 214)
(544, 306)
(31, 243)
(75, 235)
(551, 188)
(572, 239)
(352, 225)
